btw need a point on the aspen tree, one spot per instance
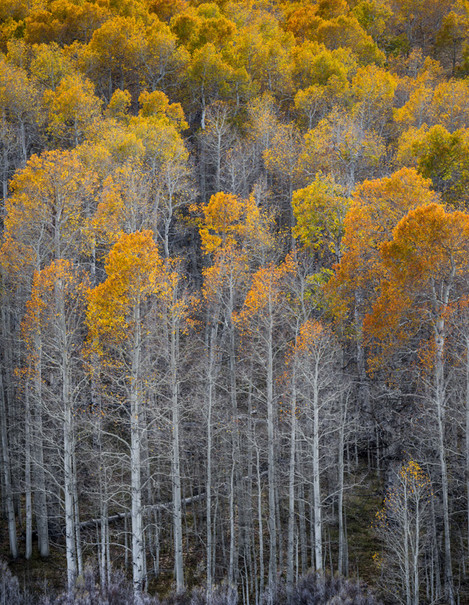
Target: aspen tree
(377, 206)
(222, 283)
(320, 210)
(54, 316)
(319, 392)
(259, 319)
(139, 306)
(427, 262)
(47, 207)
(118, 315)
(73, 111)
(233, 231)
(402, 524)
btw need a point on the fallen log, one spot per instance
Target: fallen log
(146, 510)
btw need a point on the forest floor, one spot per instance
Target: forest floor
(361, 506)
(361, 503)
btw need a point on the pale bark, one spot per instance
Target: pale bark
(440, 409)
(260, 523)
(27, 476)
(176, 464)
(361, 359)
(235, 441)
(291, 485)
(68, 441)
(342, 563)
(135, 459)
(40, 493)
(7, 473)
(76, 508)
(231, 565)
(406, 538)
(467, 434)
(415, 561)
(303, 539)
(68, 498)
(208, 508)
(271, 456)
(317, 504)
(161, 506)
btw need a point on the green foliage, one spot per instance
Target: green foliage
(442, 156)
(320, 211)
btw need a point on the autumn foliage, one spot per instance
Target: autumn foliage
(234, 272)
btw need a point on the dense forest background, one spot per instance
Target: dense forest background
(234, 300)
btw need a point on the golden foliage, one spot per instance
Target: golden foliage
(266, 293)
(428, 255)
(320, 210)
(228, 221)
(134, 272)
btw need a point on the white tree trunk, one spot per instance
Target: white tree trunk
(406, 538)
(271, 458)
(232, 563)
(234, 495)
(208, 509)
(361, 361)
(291, 486)
(40, 493)
(77, 515)
(138, 568)
(342, 564)
(440, 408)
(416, 556)
(6, 473)
(68, 442)
(316, 476)
(27, 476)
(176, 464)
(70, 545)
(467, 435)
(260, 523)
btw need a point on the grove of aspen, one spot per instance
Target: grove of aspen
(234, 295)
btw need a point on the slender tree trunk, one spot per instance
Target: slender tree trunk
(176, 465)
(7, 473)
(77, 515)
(40, 493)
(104, 515)
(436, 581)
(342, 564)
(406, 538)
(210, 394)
(291, 486)
(204, 110)
(467, 435)
(249, 541)
(232, 564)
(23, 142)
(135, 460)
(260, 524)
(235, 446)
(316, 474)
(440, 405)
(416, 556)
(68, 442)
(167, 224)
(27, 476)
(302, 519)
(271, 458)
(70, 544)
(5, 157)
(361, 361)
